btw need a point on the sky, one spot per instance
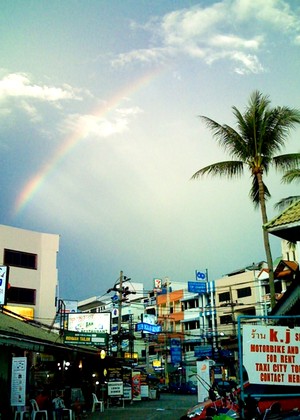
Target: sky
(100, 131)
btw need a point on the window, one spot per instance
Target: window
(21, 295)
(244, 292)
(224, 297)
(20, 259)
(226, 319)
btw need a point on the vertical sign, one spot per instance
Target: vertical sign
(203, 376)
(18, 381)
(4, 272)
(136, 386)
(175, 350)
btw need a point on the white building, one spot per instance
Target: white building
(32, 258)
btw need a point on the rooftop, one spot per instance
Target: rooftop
(287, 224)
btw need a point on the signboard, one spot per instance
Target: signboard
(151, 329)
(136, 386)
(271, 354)
(4, 275)
(127, 392)
(197, 287)
(70, 306)
(203, 351)
(115, 389)
(18, 381)
(20, 310)
(90, 322)
(175, 350)
(203, 379)
(149, 319)
(88, 339)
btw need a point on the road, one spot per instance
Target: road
(169, 406)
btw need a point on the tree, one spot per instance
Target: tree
(261, 134)
(289, 177)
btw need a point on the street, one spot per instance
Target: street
(169, 406)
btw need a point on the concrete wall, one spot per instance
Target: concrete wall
(44, 278)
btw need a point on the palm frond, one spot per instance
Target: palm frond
(286, 202)
(291, 175)
(228, 138)
(279, 122)
(228, 169)
(287, 162)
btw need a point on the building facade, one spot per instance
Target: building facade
(32, 260)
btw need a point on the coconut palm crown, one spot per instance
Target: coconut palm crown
(261, 134)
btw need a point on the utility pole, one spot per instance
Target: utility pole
(119, 344)
(167, 332)
(122, 297)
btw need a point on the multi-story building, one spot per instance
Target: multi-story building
(31, 257)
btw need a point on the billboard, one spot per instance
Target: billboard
(149, 319)
(271, 354)
(90, 322)
(70, 306)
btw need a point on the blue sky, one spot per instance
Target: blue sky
(100, 135)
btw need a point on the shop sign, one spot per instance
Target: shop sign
(18, 381)
(87, 339)
(115, 389)
(271, 354)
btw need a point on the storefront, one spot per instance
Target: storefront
(50, 364)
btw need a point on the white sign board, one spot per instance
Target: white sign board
(90, 322)
(3, 283)
(203, 379)
(271, 354)
(18, 381)
(115, 389)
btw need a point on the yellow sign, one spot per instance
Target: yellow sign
(20, 310)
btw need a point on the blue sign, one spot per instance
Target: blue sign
(200, 275)
(203, 351)
(175, 351)
(197, 287)
(149, 328)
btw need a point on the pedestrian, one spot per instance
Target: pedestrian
(59, 405)
(77, 407)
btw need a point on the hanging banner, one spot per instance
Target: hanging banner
(203, 379)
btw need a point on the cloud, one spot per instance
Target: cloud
(151, 55)
(100, 126)
(16, 85)
(210, 33)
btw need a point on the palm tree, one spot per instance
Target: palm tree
(261, 133)
(288, 177)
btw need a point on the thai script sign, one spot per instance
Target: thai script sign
(271, 354)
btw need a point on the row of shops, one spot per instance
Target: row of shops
(33, 357)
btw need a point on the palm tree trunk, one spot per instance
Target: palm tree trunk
(262, 203)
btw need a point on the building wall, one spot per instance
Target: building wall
(290, 251)
(43, 279)
(236, 295)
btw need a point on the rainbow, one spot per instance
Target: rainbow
(68, 145)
